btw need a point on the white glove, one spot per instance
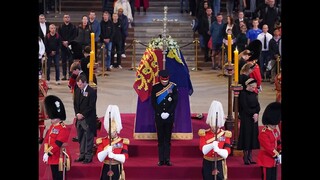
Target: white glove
(278, 159)
(119, 157)
(164, 115)
(206, 148)
(109, 149)
(223, 153)
(111, 155)
(102, 155)
(45, 157)
(215, 145)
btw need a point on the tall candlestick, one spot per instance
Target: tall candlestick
(236, 66)
(92, 42)
(229, 49)
(91, 66)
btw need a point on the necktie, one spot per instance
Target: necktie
(265, 42)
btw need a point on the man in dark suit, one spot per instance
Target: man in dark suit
(85, 111)
(164, 98)
(43, 26)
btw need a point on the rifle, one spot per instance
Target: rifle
(110, 173)
(215, 156)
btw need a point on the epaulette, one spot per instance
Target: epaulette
(264, 129)
(202, 132)
(228, 134)
(156, 83)
(63, 125)
(126, 141)
(99, 140)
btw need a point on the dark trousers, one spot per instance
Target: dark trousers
(116, 48)
(269, 173)
(116, 169)
(263, 62)
(86, 138)
(164, 131)
(56, 174)
(66, 61)
(123, 45)
(55, 60)
(208, 166)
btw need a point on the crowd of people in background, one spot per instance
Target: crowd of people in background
(255, 28)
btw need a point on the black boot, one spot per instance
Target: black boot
(250, 157)
(245, 157)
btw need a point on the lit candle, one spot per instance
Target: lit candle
(236, 66)
(92, 42)
(229, 49)
(91, 66)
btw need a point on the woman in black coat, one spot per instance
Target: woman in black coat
(249, 114)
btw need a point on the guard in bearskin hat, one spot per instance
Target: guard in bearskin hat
(255, 47)
(269, 155)
(215, 144)
(56, 136)
(112, 150)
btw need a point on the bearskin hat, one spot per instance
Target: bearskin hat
(54, 107)
(272, 114)
(254, 47)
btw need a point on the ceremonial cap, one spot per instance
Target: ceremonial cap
(254, 47)
(115, 117)
(164, 74)
(215, 113)
(54, 107)
(272, 114)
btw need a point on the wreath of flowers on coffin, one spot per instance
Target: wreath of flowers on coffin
(157, 43)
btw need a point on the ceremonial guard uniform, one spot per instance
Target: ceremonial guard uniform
(215, 144)
(269, 156)
(112, 150)
(55, 137)
(43, 89)
(164, 98)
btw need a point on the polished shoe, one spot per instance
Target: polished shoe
(86, 161)
(168, 163)
(160, 163)
(64, 78)
(252, 162)
(79, 160)
(75, 139)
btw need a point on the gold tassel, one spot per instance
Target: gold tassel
(122, 175)
(60, 164)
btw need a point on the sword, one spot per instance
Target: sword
(215, 156)
(110, 173)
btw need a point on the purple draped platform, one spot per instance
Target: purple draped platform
(144, 121)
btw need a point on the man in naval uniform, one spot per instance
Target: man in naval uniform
(164, 98)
